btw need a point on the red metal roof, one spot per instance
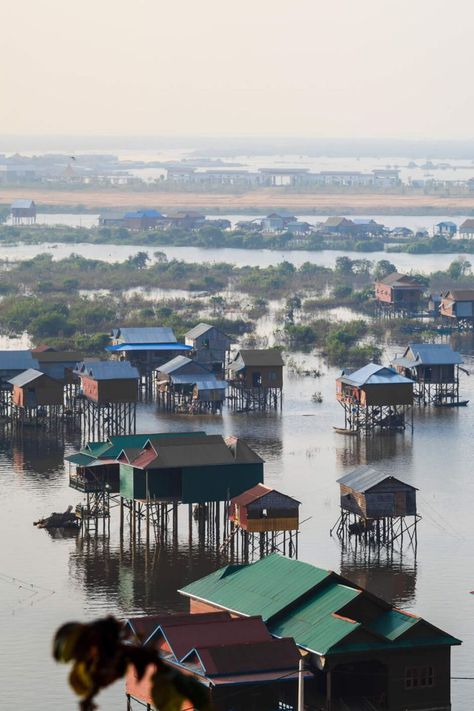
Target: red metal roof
(143, 627)
(185, 637)
(251, 494)
(249, 657)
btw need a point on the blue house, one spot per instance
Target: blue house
(446, 229)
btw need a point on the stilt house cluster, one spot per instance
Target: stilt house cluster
(359, 648)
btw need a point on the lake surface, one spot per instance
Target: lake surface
(423, 263)
(46, 580)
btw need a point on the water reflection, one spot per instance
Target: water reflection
(383, 572)
(377, 448)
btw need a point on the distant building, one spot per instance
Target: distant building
(113, 218)
(399, 292)
(446, 229)
(279, 177)
(362, 651)
(345, 178)
(466, 229)
(145, 347)
(386, 177)
(210, 346)
(458, 304)
(142, 219)
(277, 222)
(402, 233)
(185, 219)
(23, 212)
(338, 225)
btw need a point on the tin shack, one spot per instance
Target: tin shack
(434, 368)
(256, 379)
(399, 292)
(210, 346)
(458, 304)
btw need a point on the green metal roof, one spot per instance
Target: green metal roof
(81, 459)
(312, 623)
(392, 624)
(441, 639)
(96, 448)
(251, 590)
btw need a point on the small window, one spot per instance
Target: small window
(419, 677)
(264, 513)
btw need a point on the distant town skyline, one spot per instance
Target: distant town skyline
(272, 68)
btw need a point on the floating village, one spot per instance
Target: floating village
(264, 630)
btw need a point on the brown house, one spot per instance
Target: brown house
(458, 304)
(399, 291)
(35, 389)
(264, 509)
(108, 381)
(257, 368)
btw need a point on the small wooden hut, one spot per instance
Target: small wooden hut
(210, 346)
(186, 386)
(458, 304)
(109, 392)
(399, 293)
(256, 379)
(376, 505)
(37, 399)
(374, 396)
(434, 368)
(23, 212)
(267, 520)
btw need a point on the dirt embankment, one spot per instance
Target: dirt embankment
(252, 201)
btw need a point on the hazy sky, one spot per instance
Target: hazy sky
(332, 68)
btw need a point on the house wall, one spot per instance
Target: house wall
(118, 391)
(211, 347)
(436, 373)
(271, 376)
(219, 483)
(396, 394)
(38, 393)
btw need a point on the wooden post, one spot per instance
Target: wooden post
(301, 684)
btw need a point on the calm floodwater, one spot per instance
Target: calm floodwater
(241, 257)
(79, 578)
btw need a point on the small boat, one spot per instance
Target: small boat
(456, 403)
(343, 431)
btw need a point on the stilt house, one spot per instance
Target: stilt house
(263, 509)
(399, 292)
(256, 379)
(32, 389)
(458, 304)
(146, 348)
(23, 212)
(108, 381)
(57, 364)
(361, 650)
(237, 659)
(374, 396)
(434, 367)
(186, 386)
(210, 346)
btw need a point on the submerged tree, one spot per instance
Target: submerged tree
(100, 654)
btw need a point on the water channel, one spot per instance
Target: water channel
(48, 579)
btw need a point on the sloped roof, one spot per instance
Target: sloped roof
(312, 605)
(145, 627)
(17, 360)
(460, 294)
(432, 354)
(170, 452)
(22, 204)
(249, 657)
(257, 492)
(364, 478)
(241, 450)
(338, 222)
(261, 357)
(146, 334)
(178, 362)
(313, 622)
(107, 370)
(198, 330)
(374, 374)
(467, 224)
(28, 376)
(397, 279)
(263, 588)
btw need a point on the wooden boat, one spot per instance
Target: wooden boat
(459, 403)
(343, 431)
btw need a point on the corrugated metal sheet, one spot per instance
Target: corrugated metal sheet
(125, 347)
(365, 477)
(392, 624)
(312, 623)
(256, 492)
(147, 334)
(272, 655)
(107, 370)
(22, 204)
(434, 354)
(374, 374)
(198, 330)
(81, 459)
(181, 361)
(28, 376)
(17, 361)
(262, 588)
(263, 357)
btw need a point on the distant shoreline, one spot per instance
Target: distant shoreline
(257, 201)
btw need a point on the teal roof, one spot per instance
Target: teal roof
(314, 607)
(81, 459)
(251, 590)
(313, 623)
(96, 448)
(392, 624)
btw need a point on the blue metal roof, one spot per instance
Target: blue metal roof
(107, 370)
(22, 204)
(434, 354)
(176, 364)
(17, 361)
(149, 347)
(143, 213)
(373, 374)
(145, 334)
